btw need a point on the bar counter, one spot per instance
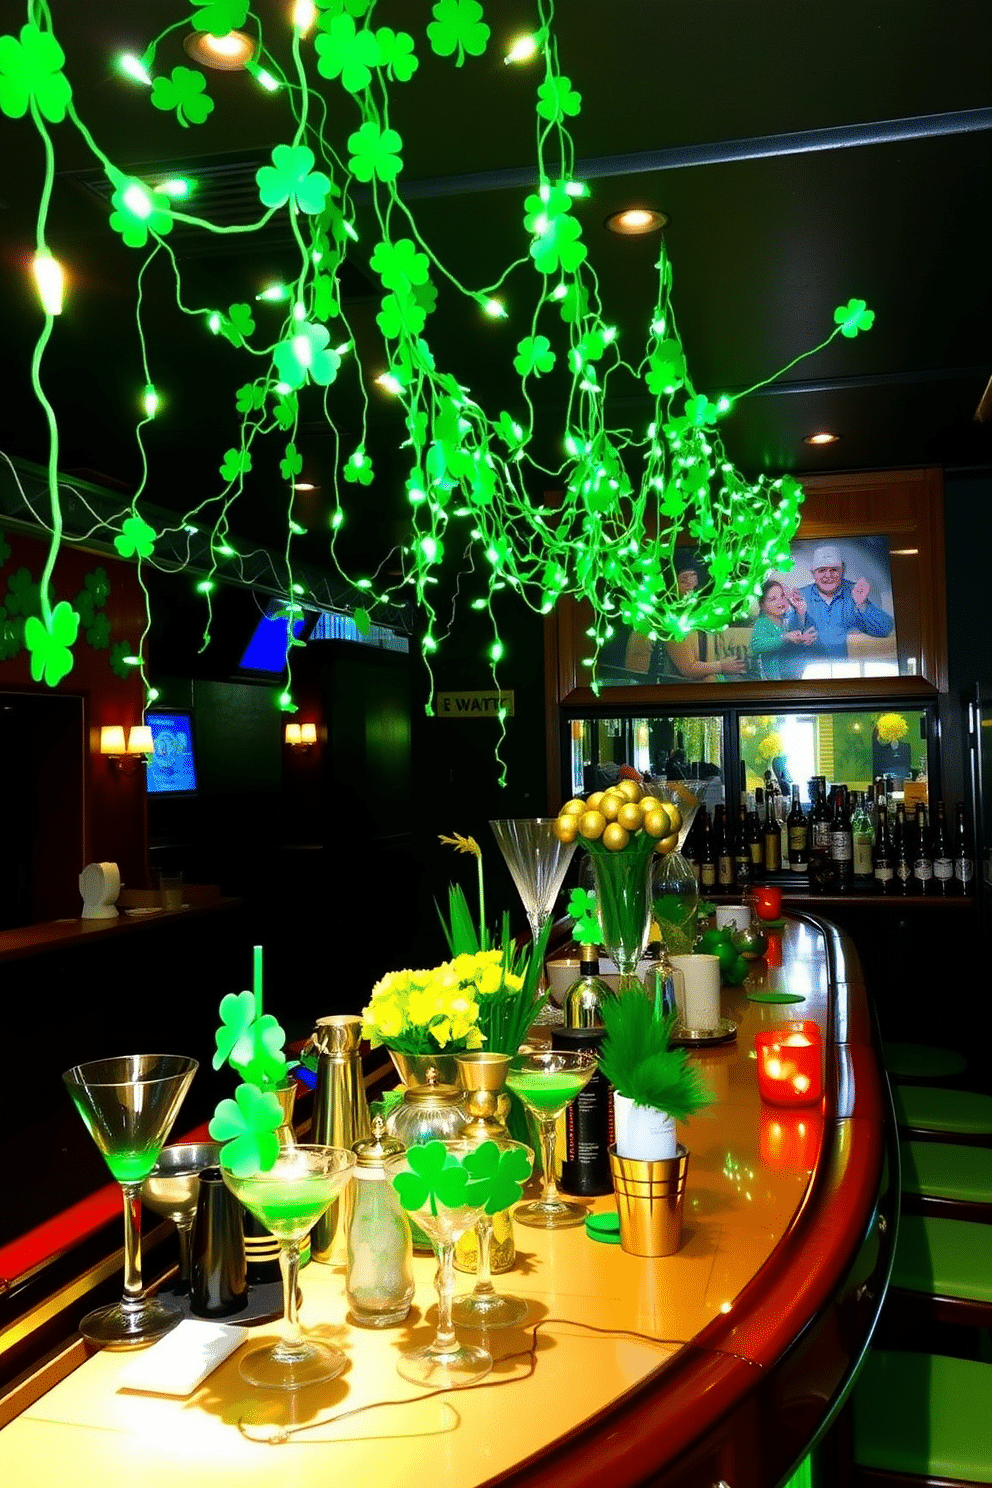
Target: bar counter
(722, 1362)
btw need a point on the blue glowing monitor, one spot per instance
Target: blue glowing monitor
(269, 643)
(172, 765)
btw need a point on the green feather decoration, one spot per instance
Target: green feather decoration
(638, 1062)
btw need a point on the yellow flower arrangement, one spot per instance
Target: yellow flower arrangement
(891, 727)
(422, 1012)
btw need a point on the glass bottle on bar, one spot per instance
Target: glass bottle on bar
(862, 843)
(723, 847)
(943, 861)
(902, 853)
(798, 829)
(742, 852)
(773, 837)
(841, 841)
(820, 818)
(756, 836)
(693, 843)
(582, 1005)
(923, 857)
(885, 872)
(964, 855)
(707, 853)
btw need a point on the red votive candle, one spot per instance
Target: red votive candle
(790, 1064)
(767, 902)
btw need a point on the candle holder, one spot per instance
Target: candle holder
(790, 1067)
(767, 901)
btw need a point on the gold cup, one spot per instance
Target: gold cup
(482, 1075)
(650, 1198)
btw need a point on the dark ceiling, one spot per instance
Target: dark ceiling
(804, 153)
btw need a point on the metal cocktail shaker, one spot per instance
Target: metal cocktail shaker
(340, 1118)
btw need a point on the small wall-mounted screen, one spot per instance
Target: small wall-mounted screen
(172, 766)
(269, 643)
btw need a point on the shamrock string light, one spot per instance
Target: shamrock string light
(602, 525)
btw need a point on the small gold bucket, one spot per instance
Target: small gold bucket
(650, 1196)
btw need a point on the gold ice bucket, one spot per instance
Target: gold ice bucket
(650, 1198)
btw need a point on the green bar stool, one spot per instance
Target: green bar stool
(947, 1179)
(943, 1269)
(921, 1062)
(957, 1113)
(924, 1415)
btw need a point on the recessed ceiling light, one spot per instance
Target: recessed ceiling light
(228, 53)
(633, 221)
(823, 437)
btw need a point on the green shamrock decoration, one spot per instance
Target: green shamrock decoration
(119, 664)
(346, 52)
(550, 201)
(136, 538)
(325, 297)
(375, 152)
(51, 658)
(574, 303)
(435, 1177)
(355, 8)
(218, 17)
(98, 633)
(97, 586)
(400, 264)
(253, 1046)
(291, 176)
(292, 464)
(701, 411)
(582, 908)
(251, 397)
(511, 433)
(556, 98)
(558, 245)
(666, 367)
(505, 1171)
(11, 635)
(401, 313)
(306, 356)
(396, 54)
(458, 26)
(22, 594)
(854, 317)
(358, 469)
(239, 324)
(139, 211)
(237, 462)
(32, 69)
(362, 622)
(184, 91)
(534, 354)
(247, 1126)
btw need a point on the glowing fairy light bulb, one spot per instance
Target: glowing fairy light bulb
(302, 350)
(150, 401)
(428, 546)
(263, 79)
(495, 308)
(50, 281)
(304, 14)
(178, 188)
(134, 68)
(496, 651)
(138, 200)
(523, 49)
(214, 322)
(274, 293)
(389, 382)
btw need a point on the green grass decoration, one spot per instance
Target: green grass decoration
(638, 1062)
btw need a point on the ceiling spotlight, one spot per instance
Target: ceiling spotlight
(632, 222)
(230, 53)
(823, 437)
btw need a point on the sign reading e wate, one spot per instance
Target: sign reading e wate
(474, 704)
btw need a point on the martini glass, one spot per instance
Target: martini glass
(128, 1105)
(172, 1189)
(538, 863)
(547, 1084)
(484, 1307)
(288, 1199)
(445, 1364)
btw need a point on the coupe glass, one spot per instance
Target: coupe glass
(172, 1189)
(537, 862)
(128, 1105)
(547, 1084)
(484, 1307)
(446, 1363)
(288, 1199)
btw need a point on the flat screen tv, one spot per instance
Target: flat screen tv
(172, 765)
(269, 642)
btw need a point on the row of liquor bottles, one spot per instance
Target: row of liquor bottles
(846, 840)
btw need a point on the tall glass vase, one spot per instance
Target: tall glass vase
(623, 899)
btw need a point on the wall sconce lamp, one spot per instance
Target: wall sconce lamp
(301, 735)
(135, 750)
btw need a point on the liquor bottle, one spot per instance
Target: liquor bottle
(723, 847)
(943, 862)
(694, 842)
(841, 843)
(582, 1005)
(923, 857)
(773, 838)
(742, 851)
(863, 841)
(820, 814)
(870, 811)
(707, 854)
(756, 836)
(964, 855)
(884, 860)
(902, 857)
(798, 828)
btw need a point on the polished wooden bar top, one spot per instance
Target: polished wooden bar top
(778, 1206)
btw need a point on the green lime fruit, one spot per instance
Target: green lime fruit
(735, 973)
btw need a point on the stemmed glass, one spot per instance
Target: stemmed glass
(172, 1189)
(288, 1199)
(537, 862)
(547, 1084)
(128, 1104)
(445, 1363)
(484, 1307)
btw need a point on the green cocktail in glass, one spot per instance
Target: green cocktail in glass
(547, 1084)
(289, 1199)
(128, 1105)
